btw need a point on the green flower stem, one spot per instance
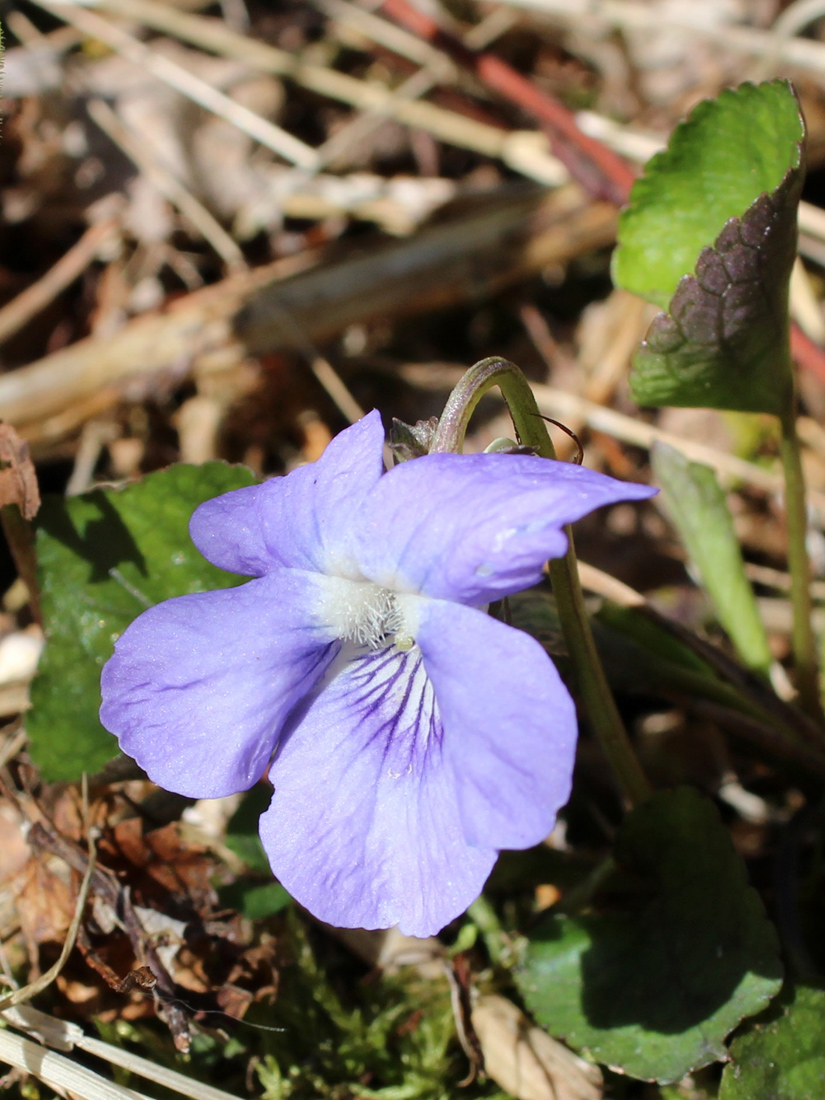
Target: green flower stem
(462, 402)
(592, 682)
(496, 940)
(802, 638)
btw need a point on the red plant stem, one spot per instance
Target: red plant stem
(807, 355)
(612, 178)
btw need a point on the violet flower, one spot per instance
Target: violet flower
(414, 736)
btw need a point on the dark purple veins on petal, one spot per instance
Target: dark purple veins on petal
(392, 688)
(364, 827)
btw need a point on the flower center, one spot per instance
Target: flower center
(367, 614)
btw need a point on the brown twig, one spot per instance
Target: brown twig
(20, 310)
(467, 259)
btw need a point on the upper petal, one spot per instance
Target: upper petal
(509, 722)
(199, 686)
(364, 829)
(229, 530)
(474, 528)
(302, 520)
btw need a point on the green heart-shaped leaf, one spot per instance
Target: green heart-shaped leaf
(712, 223)
(723, 344)
(653, 988)
(783, 1059)
(730, 150)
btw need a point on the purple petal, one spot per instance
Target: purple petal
(302, 520)
(199, 686)
(229, 531)
(509, 722)
(364, 828)
(474, 528)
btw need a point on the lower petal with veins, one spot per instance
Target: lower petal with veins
(364, 828)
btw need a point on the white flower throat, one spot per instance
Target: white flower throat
(367, 614)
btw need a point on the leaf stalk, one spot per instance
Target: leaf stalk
(802, 636)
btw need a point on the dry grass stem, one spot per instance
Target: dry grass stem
(59, 1072)
(631, 15)
(524, 151)
(596, 580)
(778, 579)
(436, 68)
(390, 35)
(804, 305)
(637, 433)
(65, 1037)
(191, 208)
(169, 72)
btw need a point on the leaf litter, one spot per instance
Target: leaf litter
(160, 281)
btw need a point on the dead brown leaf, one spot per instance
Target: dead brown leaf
(526, 1061)
(18, 481)
(160, 863)
(45, 904)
